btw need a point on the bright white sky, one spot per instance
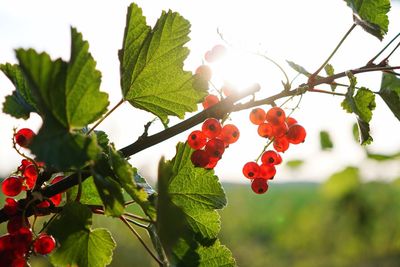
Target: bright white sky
(301, 31)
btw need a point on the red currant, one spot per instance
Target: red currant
(12, 186)
(251, 170)
(204, 72)
(281, 144)
(10, 207)
(296, 134)
(24, 137)
(23, 165)
(259, 186)
(276, 115)
(265, 130)
(279, 130)
(15, 223)
(290, 121)
(211, 128)
(270, 157)
(197, 139)
(200, 158)
(257, 116)
(213, 162)
(44, 244)
(31, 174)
(215, 148)
(267, 172)
(209, 101)
(229, 134)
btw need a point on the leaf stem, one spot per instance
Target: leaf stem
(125, 221)
(370, 62)
(127, 214)
(315, 90)
(312, 77)
(105, 116)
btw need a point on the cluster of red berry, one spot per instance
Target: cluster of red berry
(281, 131)
(210, 142)
(19, 243)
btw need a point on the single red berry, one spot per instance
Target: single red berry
(211, 128)
(215, 148)
(251, 170)
(265, 130)
(200, 158)
(276, 115)
(22, 240)
(10, 207)
(267, 171)
(44, 244)
(209, 101)
(259, 186)
(56, 199)
(23, 165)
(204, 72)
(281, 144)
(12, 186)
(5, 242)
(19, 262)
(271, 157)
(229, 134)
(213, 162)
(296, 134)
(208, 56)
(257, 116)
(30, 174)
(279, 130)
(24, 137)
(290, 121)
(197, 139)
(15, 223)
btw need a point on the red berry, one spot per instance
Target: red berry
(208, 56)
(22, 240)
(19, 262)
(279, 130)
(197, 139)
(213, 162)
(290, 121)
(23, 165)
(10, 207)
(251, 170)
(276, 115)
(24, 137)
(30, 174)
(204, 72)
(257, 116)
(271, 157)
(215, 53)
(281, 144)
(229, 134)
(15, 223)
(44, 244)
(267, 172)
(210, 100)
(12, 186)
(215, 148)
(200, 158)
(259, 186)
(228, 90)
(265, 130)
(211, 128)
(296, 134)
(56, 199)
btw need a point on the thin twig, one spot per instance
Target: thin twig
(370, 62)
(105, 116)
(138, 217)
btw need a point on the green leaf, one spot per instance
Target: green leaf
(325, 140)
(216, 255)
(68, 98)
(21, 103)
(298, 68)
(390, 92)
(343, 183)
(371, 15)
(383, 157)
(151, 64)
(79, 244)
(295, 163)
(89, 195)
(132, 182)
(362, 104)
(330, 72)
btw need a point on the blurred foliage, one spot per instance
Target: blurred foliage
(325, 140)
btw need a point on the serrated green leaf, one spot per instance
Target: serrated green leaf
(362, 104)
(151, 63)
(390, 92)
(216, 255)
(371, 15)
(79, 245)
(127, 176)
(21, 103)
(89, 194)
(325, 140)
